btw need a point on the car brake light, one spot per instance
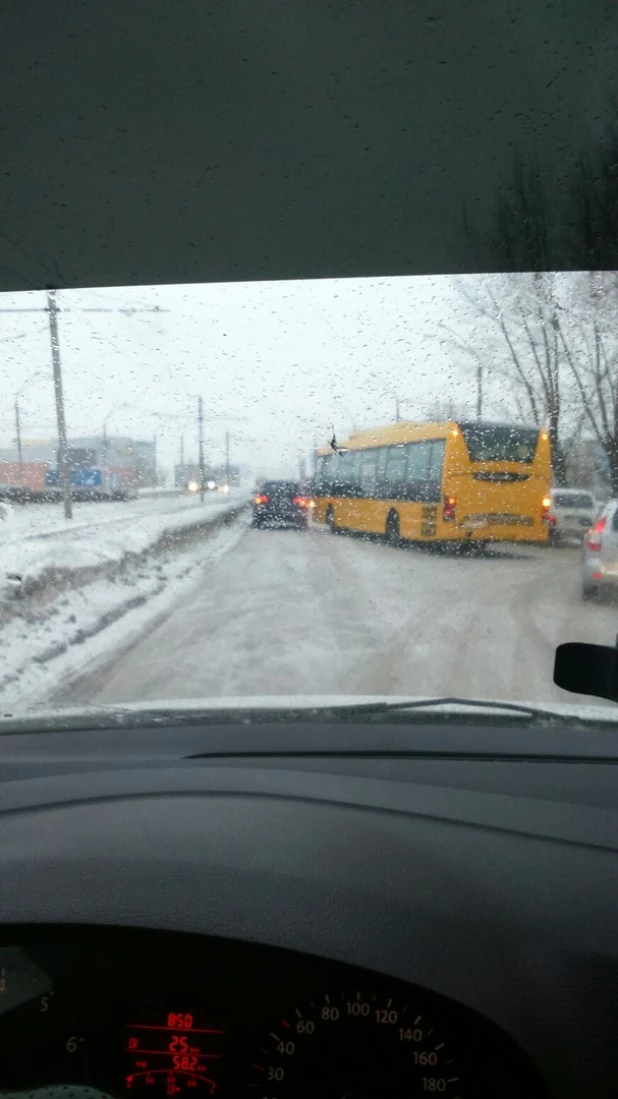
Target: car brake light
(302, 501)
(261, 499)
(448, 509)
(598, 528)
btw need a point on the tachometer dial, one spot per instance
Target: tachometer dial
(357, 1045)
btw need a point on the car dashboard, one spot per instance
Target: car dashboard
(126, 1011)
(376, 913)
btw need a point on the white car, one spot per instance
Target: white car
(600, 560)
(571, 513)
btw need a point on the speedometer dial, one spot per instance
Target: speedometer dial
(358, 1045)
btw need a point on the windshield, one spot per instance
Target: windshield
(573, 500)
(349, 496)
(281, 488)
(497, 443)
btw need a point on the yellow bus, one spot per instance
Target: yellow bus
(444, 482)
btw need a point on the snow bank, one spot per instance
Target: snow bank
(37, 542)
(43, 649)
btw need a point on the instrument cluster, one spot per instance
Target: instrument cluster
(135, 1012)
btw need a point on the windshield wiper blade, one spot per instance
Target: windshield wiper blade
(447, 709)
(521, 709)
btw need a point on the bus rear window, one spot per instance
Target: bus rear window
(573, 500)
(495, 443)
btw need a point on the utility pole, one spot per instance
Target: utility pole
(18, 436)
(397, 410)
(52, 310)
(227, 458)
(200, 426)
(63, 446)
(479, 392)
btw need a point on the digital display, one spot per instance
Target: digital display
(175, 1053)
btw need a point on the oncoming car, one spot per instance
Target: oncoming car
(281, 504)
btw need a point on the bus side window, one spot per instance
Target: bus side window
(368, 473)
(339, 474)
(381, 471)
(354, 458)
(396, 472)
(417, 475)
(326, 476)
(318, 475)
(436, 464)
(424, 471)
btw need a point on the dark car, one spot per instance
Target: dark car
(281, 504)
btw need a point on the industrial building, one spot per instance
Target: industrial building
(99, 464)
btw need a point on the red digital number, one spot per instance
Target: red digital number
(179, 1044)
(179, 1021)
(185, 1064)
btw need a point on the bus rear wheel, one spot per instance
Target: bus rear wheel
(393, 533)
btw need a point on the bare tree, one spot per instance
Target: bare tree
(593, 357)
(521, 345)
(439, 411)
(594, 196)
(523, 236)
(591, 352)
(553, 338)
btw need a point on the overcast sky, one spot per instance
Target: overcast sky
(276, 363)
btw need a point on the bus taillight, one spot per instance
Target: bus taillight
(448, 509)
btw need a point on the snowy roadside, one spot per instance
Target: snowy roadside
(35, 562)
(45, 647)
(140, 519)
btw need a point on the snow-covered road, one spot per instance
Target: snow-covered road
(284, 612)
